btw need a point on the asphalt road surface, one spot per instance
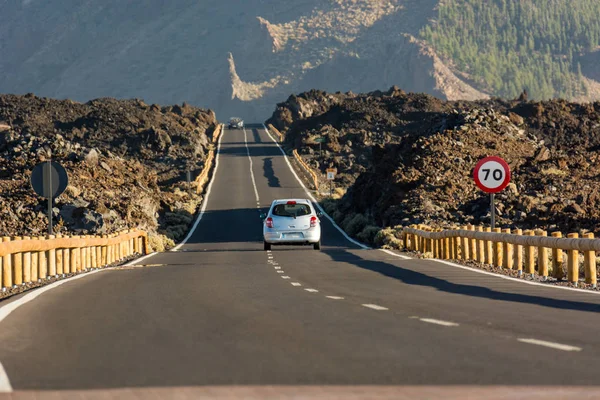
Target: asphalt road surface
(222, 311)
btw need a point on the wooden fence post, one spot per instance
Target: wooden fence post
(464, 245)
(507, 249)
(42, 261)
(34, 264)
(26, 264)
(59, 259)
(497, 254)
(542, 256)
(557, 260)
(488, 259)
(18, 266)
(590, 263)
(518, 254)
(529, 256)
(7, 269)
(51, 257)
(472, 245)
(480, 247)
(573, 262)
(67, 258)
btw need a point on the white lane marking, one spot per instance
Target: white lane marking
(251, 169)
(316, 203)
(137, 260)
(296, 284)
(311, 290)
(510, 278)
(413, 317)
(5, 386)
(281, 272)
(374, 307)
(205, 200)
(438, 322)
(277, 267)
(335, 297)
(558, 346)
(285, 277)
(394, 254)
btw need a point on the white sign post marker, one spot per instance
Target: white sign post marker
(492, 175)
(330, 177)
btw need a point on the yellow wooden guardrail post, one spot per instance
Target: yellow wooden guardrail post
(51, 257)
(573, 261)
(529, 256)
(518, 253)
(67, 258)
(447, 248)
(480, 246)
(93, 260)
(7, 270)
(464, 245)
(542, 257)
(472, 245)
(18, 266)
(73, 258)
(488, 258)
(507, 249)
(454, 248)
(42, 262)
(26, 264)
(557, 259)
(590, 263)
(59, 259)
(497, 250)
(89, 253)
(99, 253)
(104, 253)
(34, 265)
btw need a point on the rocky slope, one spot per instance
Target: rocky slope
(407, 158)
(126, 161)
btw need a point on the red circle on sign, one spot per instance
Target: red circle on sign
(486, 178)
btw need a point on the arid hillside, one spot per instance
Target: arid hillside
(126, 160)
(405, 158)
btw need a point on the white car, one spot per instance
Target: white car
(292, 222)
(236, 123)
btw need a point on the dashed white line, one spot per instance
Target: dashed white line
(281, 272)
(285, 277)
(311, 290)
(296, 284)
(277, 267)
(5, 386)
(374, 307)
(251, 169)
(438, 322)
(553, 345)
(335, 297)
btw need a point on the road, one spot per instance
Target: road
(221, 311)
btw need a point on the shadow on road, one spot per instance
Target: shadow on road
(411, 277)
(269, 172)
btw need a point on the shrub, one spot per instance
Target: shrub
(367, 235)
(354, 223)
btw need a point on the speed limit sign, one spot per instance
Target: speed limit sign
(492, 174)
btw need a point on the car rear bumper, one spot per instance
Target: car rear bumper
(275, 237)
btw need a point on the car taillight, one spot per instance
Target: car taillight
(269, 222)
(313, 222)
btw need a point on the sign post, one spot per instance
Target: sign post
(49, 179)
(492, 175)
(330, 177)
(321, 140)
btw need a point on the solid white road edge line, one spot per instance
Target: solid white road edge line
(395, 255)
(374, 307)
(137, 260)
(311, 196)
(5, 386)
(251, 168)
(438, 322)
(510, 278)
(205, 199)
(557, 346)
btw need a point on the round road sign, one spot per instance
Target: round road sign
(49, 179)
(492, 174)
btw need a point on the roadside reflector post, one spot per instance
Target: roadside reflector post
(7, 267)
(488, 247)
(507, 248)
(573, 262)
(26, 264)
(590, 263)
(480, 246)
(18, 266)
(518, 254)
(557, 260)
(497, 253)
(542, 257)
(529, 256)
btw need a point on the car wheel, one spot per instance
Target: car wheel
(267, 246)
(317, 246)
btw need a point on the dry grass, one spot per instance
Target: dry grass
(554, 171)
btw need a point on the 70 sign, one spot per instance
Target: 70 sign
(492, 175)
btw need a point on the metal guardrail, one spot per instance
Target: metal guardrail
(26, 260)
(509, 249)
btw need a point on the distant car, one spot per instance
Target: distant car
(292, 222)
(236, 123)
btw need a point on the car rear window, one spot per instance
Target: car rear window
(291, 210)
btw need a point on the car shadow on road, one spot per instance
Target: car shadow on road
(411, 277)
(269, 172)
